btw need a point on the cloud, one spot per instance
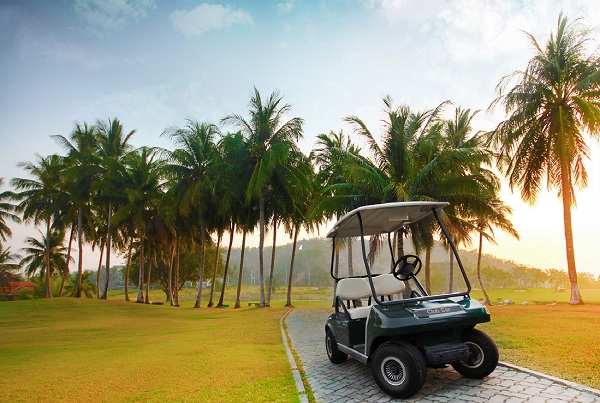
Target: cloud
(206, 17)
(109, 15)
(285, 8)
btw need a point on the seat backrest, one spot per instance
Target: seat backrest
(387, 284)
(353, 288)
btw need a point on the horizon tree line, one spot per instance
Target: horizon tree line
(164, 203)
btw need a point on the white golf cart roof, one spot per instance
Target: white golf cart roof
(383, 218)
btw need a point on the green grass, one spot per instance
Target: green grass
(90, 350)
(559, 340)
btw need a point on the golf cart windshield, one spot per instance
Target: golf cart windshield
(387, 219)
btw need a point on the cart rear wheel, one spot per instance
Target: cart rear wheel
(399, 369)
(483, 355)
(334, 354)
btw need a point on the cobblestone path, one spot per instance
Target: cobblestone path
(353, 382)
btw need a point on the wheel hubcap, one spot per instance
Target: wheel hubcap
(393, 371)
(475, 355)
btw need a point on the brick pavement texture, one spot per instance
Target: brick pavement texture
(353, 382)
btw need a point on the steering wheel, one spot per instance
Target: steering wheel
(406, 266)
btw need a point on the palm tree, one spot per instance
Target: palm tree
(113, 145)
(6, 212)
(421, 157)
(459, 145)
(85, 286)
(190, 178)
(82, 168)
(42, 199)
(270, 139)
(397, 170)
(39, 251)
(8, 269)
(301, 186)
(494, 216)
(234, 167)
(554, 102)
(143, 188)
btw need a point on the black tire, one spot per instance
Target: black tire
(483, 355)
(399, 369)
(335, 355)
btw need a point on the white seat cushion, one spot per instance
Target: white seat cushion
(349, 289)
(359, 312)
(387, 284)
(353, 288)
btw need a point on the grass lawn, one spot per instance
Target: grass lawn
(548, 334)
(90, 350)
(559, 340)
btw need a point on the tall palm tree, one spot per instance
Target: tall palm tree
(334, 155)
(270, 138)
(143, 188)
(396, 171)
(234, 172)
(190, 175)
(458, 144)
(113, 145)
(41, 199)
(419, 160)
(550, 108)
(82, 169)
(300, 181)
(233, 176)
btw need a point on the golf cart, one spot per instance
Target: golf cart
(390, 321)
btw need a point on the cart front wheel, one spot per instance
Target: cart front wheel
(334, 354)
(399, 369)
(483, 355)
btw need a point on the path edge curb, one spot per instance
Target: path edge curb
(554, 379)
(295, 370)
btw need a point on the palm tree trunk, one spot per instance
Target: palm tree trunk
(127, 271)
(48, 288)
(66, 273)
(566, 189)
(428, 270)
(272, 270)
(108, 247)
(400, 244)
(261, 245)
(202, 261)
(140, 295)
(170, 276)
(240, 277)
(291, 276)
(147, 299)
(99, 270)
(176, 288)
(487, 298)
(336, 272)
(214, 279)
(231, 233)
(451, 280)
(80, 251)
(350, 258)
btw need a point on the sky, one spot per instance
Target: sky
(153, 64)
